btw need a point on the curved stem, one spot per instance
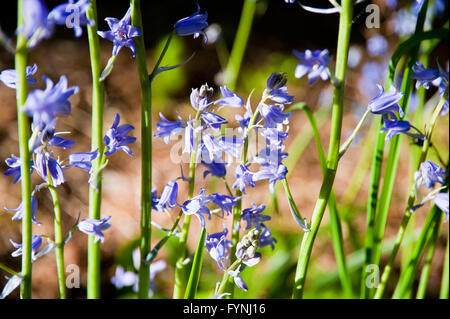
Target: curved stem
(59, 239)
(146, 163)
(181, 269)
(345, 24)
(422, 289)
(22, 127)
(95, 192)
(240, 42)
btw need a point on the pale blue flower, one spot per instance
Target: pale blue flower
(9, 77)
(229, 99)
(313, 63)
(218, 247)
(19, 211)
(253, 216)
(95, 227)
(116, 137)
(36, 242)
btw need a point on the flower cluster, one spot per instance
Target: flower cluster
(206, 144)
(44, 107)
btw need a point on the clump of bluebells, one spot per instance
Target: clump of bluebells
(217, 150)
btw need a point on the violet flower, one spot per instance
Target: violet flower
(9, 77)
(313, 63)
(217, 246)
(36, 25)
(225, 202)
(83, 160)
(253, 216)
(424, 76)
(243, 178)
(215, 168)
(200, 98)
(36, 242)
(229, 99)
(272, 173)
(116, 137)
(121, 33)
(212, 120)
(386, 102)
(441, 201)
(193, 25)
(168, 196)
(266, 238)
(429, 174)
(167, 128)
(273, 115)
(95, 227)
(45, 105)
(392, 126)
(197, 206)
(72, 14)
(44, 160)
(19, 211)
(14, 163)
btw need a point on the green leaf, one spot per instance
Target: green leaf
(194, 277)
(108, 68)
(168, 68)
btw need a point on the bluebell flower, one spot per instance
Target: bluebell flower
(193, 25)
(189, 143)
(95, 227)
(266, 239)
(403, 22)
(281, 96)
(273, 115)
(212, 120)
(61, 15)
(238, 279)
(392, 126)
(424, 76)
(218, 247)
(386, 102)
(36, 25)
(229, 99)
(215, 168)
(14, 163)
(155, 200)
(225, 202)
(36, 242)
(274, 136)
(275, 81)
(116, 137)
(45, 105)
(429, 174)
(168, 196)
(441, 201)
(289, 1)
(372, 73)
(243, 178)
(44, 160)
(121, 33)
(253, 216)
(19, 211)
(377, 45)
(313, 63)
(83, 160)
(212, 147)
(61, 142)
(270, 156)
(272, 173)
(124, 278)
(197, 206)
(167, 128)
(200, 98)
(215, 147)
(9, 77)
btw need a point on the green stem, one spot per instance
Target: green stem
(23, 132)
(95, 192)
(410, 204)
(350, 139)
(9, 270)
(422, 289)
(240, 42)
(194, 277)
(59, 239)
(345, 24)
(180, 268)
(408, 274)
(445, 274)
(146, 164)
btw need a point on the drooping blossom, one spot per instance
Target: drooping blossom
(313, 63)
(95, 227)
(193, 25)
(116, 137)
(9, 77)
